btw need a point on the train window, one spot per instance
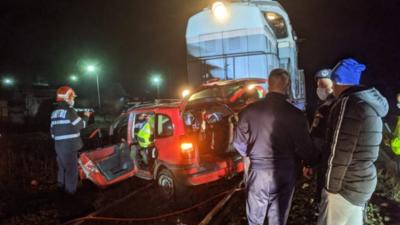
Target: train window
(216, 68)
(257, 65)
(277, 23)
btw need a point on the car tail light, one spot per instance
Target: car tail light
(186, 146)
(91, 167)
(187, 149)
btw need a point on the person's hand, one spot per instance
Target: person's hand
(308, 172)
(87, 114)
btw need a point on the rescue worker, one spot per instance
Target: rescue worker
(318, 127)
(274, 135)
(145, 138)
(395, 142)
(354, 134)
(65, 129)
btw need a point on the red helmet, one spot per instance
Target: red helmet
(65, 93)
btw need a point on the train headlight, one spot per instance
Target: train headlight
(220, 11)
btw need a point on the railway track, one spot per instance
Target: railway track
(205, 207)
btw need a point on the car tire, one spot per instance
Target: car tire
(171, 188)
(167, 184)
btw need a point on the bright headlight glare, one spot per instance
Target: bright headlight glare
(185, 93)
(271, 16)
(219, 10)
(251, 86)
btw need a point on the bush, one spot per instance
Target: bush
(388, 186)
(373, 215)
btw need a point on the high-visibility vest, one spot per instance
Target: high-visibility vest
(144, 135)
(395, 143)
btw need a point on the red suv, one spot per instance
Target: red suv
(190, 139)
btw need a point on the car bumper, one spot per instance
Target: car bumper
(200, 175)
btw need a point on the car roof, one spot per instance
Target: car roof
(159, 103)
(177, 103)
(231, 82)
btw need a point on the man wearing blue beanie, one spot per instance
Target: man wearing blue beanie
(354, 133)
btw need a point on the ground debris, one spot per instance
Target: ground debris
(33, 159)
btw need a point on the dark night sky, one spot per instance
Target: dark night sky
(132, 38)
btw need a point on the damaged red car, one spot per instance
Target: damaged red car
(190, 139)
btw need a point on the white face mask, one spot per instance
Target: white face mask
(398, 105)
(71, 103)
(322, 93)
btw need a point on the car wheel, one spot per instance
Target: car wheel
(166, 183)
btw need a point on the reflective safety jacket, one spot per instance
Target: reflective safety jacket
(65, 128)
(395, 143)
(145, 134)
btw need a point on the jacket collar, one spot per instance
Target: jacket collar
(276, 95)
(352, 90)
(63, 104)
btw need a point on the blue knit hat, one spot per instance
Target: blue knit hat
(348, 72)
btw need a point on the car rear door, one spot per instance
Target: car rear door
(166, 138)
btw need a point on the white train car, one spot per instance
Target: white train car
(243, 39)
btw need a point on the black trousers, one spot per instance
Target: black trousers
(67, 176)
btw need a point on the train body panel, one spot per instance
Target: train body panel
(254, 38)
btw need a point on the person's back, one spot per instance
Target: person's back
(274, 135)
(65, 130)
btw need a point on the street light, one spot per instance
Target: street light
(73, 78)
(93, 69)
(8, 81)
(157, 80)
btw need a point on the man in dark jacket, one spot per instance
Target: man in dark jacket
(274, 135)
(354, 134)
(65, 130)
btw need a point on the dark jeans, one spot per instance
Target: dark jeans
(67, 176)
(269, 193)
(321, 170)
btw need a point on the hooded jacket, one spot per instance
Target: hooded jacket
(354, 134)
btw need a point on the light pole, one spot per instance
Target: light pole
(93, 69)
(156, 80)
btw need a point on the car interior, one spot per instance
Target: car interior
(119, 161)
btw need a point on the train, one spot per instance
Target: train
(240, 40)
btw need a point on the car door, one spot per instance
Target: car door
(166, 142)
(118, 163)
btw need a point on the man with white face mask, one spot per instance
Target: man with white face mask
(318, 127)
(324, 84)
